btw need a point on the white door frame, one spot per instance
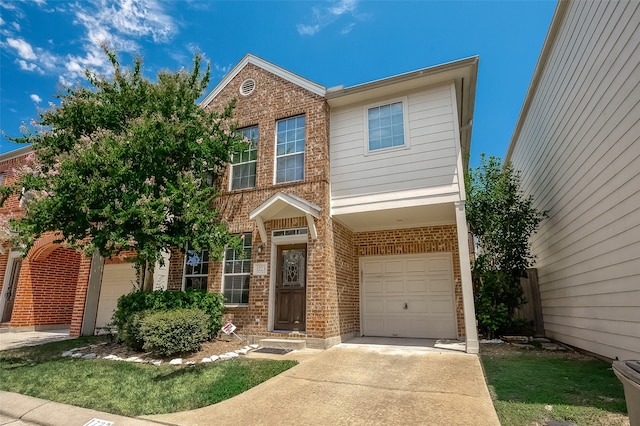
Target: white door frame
(7, 276)
(275, 242)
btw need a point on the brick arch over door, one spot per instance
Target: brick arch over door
(51, 287)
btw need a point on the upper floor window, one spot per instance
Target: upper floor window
(243, 164)
(385, 126)
(237, 269)
(196, 270)
(290, 141)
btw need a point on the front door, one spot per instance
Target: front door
(10, 293)
(291, 274)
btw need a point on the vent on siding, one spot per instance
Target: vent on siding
(247, 87)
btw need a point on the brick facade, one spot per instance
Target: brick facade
(51, 288)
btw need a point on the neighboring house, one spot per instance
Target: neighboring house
(577, 143)
(350, 202)
(53, 286)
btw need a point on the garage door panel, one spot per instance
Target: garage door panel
(373, 286)
(421, 283)
(417, 265)
(441, 305)
(440, 284)
(374, 306)
(372, 267)
(418, 306)
(393, 286)
(393, 267)
(417, 285)
(438, 265)
(395, 306)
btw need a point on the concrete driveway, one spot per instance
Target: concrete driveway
(11, 340)
(361, 382)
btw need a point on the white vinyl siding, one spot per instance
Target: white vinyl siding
(579, 153)
(429, 162)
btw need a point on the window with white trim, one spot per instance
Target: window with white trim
(196, 270)
(385, 126)
(237, 269)
(290, 141)
(243, 164)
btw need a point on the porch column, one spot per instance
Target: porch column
(465, 272)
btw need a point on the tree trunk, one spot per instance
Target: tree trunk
(148, 277)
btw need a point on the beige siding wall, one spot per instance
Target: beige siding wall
(579, 153)
(429, 162)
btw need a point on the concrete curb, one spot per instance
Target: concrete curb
(47, 413)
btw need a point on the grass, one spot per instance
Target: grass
(533, 387)
(127, 388)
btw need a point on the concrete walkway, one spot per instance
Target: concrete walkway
(366, 381)
(361, 382)
(11, 340)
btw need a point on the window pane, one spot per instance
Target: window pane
(237, 269)
(243, 169)
(290, 141)
(386, 126)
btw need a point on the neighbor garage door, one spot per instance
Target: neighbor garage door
(408, 296)
(117, 279)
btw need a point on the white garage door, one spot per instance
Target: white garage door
(408, 296)
(117, 280)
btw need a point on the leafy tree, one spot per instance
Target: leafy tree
(127, 164)
(502, 219)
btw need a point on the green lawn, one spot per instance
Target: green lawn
(127, 388)
(532, 387)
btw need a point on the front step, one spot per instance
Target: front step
(294, 345)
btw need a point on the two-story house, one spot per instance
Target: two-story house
(350, 202)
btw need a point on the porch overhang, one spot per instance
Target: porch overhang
(284, 206)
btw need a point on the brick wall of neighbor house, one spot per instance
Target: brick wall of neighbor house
(46, 290)
(433, 239)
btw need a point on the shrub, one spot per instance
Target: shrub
(496, 295)
(172, 332)
(142, 303)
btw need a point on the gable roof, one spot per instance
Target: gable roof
(267, 66)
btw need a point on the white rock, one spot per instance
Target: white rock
(177, 361)
(242, 351)
(229, 355)
(133, 359)
(113, 357)
(76, 356)
(67, 353)
(89, 356)
(190, 363)
(206, 360)
(497, 341)
(156, 362)
(255, 346)
(548, 407)
(214, 358)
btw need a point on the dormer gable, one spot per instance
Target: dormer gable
(269, 67)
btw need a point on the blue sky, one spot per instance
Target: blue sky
(46, 44)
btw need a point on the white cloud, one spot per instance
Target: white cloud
(325, 16)
(308, 29)
(16, 26)
(35, 98)
(23, 48)
(27, 66)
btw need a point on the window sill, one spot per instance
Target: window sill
(236, 305)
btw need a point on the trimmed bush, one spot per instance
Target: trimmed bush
(133, 306)
(172, 332)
